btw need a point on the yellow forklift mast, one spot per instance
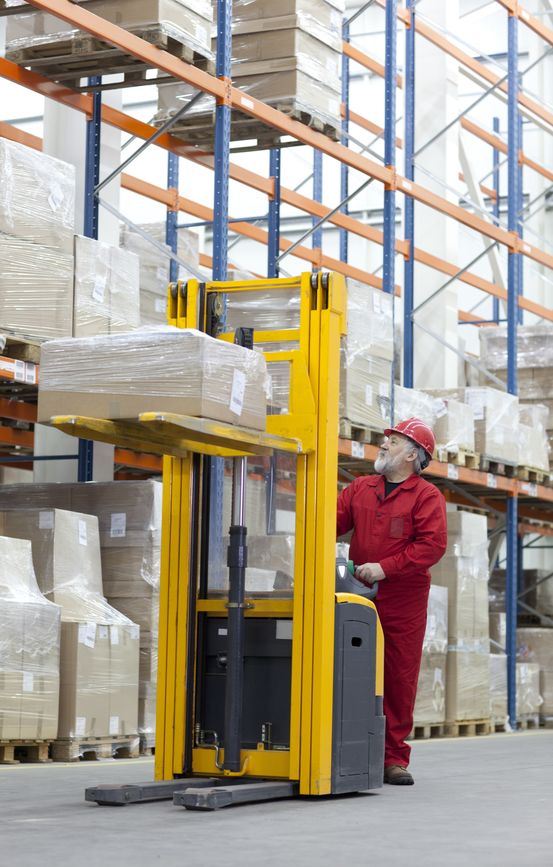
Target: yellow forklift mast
(272, 688)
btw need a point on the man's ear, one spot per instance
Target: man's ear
(412, 456)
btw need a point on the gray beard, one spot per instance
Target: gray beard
(385, 464)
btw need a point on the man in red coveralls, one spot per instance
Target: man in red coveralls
(399, 531)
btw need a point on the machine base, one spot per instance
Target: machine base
(239, 793)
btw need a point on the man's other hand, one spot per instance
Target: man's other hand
(368, 573)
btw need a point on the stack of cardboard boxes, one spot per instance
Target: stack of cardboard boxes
(29, 649)
(154, 266)
(106, 289)
(535, 645)
(37, 213)
(431, 691)
(464, 571)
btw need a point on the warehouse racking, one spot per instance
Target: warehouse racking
(520, 508)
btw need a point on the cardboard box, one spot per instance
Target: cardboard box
(365, 391)
(498, 632)
(321, 19)
(106, 297)
(174, 370)
(84, 681)
(252, 51)
(535, 645)
(453, 427)
(411, 403)
(498, 688)
(36, 289)
(529, 700)
(123, 688)
(495, 420)
(431, 689)
(467, 685)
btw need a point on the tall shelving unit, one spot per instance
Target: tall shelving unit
(527, 508)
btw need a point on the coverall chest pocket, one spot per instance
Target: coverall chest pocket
(401, 526)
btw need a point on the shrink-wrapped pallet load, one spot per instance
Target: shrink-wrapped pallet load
(529, 700)
(431, 690)
(453, 428)
(166, 369)
(464, 571)
(498, 689)
(105, 290)
(535, 645)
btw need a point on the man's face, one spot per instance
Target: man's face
(393, 454)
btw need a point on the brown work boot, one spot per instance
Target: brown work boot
(397, 776)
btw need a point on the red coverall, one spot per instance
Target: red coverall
(406, 532)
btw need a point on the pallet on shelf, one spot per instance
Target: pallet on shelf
(529, 721)
(499, 726)
(468, 728)
(533, 475)
(497, 467)
(84, 56)
(20, 751)
(349, 430)
(546, 721)
(20, 348)
(460, 457)
(72, 749)
(425, 731)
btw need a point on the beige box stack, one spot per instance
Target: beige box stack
(431, 690)
(412, 403)
(453, 426)
(99, 645)
(154, 266)
(105, 289)
(534, 365)
(529, 700)
(498, 689)
(464, 571)
(287, 56)
(29, 649)
(37, 214)
(533, 436)
(188, 22)
(174, 370)
(495, 421)
(535, 645)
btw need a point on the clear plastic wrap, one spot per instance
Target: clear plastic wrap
(163, 369)
(436, 635)
(453, 427)
(498, 688)
(533, 437)
(467, 683)
(495, 420)
(535, 644)
(534, 346)
(321, 19)
(365, 390)
(431, 689)
(411, 403)
(106, 289)
(529, 700)
(464, 571)
(37, 196)
(259, 52)
(498, 631)
(370, 321)
(29, 649)
(187, 22)
(36, 289)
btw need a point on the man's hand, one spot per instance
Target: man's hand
(368, 573)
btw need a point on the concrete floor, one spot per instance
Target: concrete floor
(478, 801)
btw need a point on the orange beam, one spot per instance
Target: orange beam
(138, 460)
(17, 410)
(13, 437)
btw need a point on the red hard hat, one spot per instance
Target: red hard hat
(415, 430)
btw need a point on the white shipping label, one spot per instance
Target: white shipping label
(222, 631)
(114, 725)
(80, 726)
(103, 633)
(238, 392)
(118, 529)
(19, 373)
(87, 634)
(383, 389)
(45, 520)
(476, 400)
(28, 681)
(357, 449)
(82, 533)
(452, 471)
(247, 103)
(369, 395)
(99, 290)
(114, 635)
(160, 305)
(30, 373)
(284, 629)
(492, 481)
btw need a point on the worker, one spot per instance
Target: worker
(399, 530)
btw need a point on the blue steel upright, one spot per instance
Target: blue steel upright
(91, 225)
(390, 77)
(520, 225)
(171, 231)
(217, 559)
(344, 172)
(496, 204)
(317, 237)
(273, 246)
(513, 147)
(409, 204)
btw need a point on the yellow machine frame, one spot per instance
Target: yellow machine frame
(310, 429)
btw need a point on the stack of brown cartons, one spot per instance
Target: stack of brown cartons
(29, 649)
(105, 289)
(287, 56)
(431, 690)
(37, 205)
(99, 645)
(535, 645)
(534, 365)
(464, 571)
(495, 421)
(32, 35)
(182, 371)
(154, 266)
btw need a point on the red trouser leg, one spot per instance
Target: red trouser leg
(403, 638)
